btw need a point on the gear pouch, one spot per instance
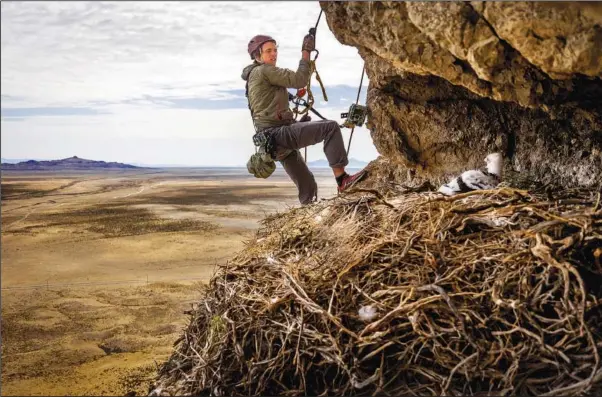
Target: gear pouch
(261, 165)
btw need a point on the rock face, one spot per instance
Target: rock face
(453, 81)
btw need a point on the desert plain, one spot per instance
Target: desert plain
(99, 267)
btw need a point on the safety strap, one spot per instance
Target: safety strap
(302, 101)
(356, 102)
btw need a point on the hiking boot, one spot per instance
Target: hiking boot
(351, 180)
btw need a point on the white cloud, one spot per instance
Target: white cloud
(71, 53)
(78, 54)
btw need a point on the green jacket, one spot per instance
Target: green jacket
(267, 92)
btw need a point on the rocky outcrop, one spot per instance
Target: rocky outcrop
(453, 81)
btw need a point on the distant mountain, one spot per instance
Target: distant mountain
(71, 163)
(353, 163)
(15, 161)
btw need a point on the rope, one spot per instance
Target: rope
(356, 102)
(310, 96)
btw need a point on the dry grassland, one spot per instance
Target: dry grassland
(98, 269)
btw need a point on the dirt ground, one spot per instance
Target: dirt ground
(98, 268)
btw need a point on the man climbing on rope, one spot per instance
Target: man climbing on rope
(269, 103)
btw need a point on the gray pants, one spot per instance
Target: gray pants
(289, 139)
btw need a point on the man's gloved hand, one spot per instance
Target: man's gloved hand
(309, 43)
(305, 118)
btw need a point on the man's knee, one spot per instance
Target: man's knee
(333, 126)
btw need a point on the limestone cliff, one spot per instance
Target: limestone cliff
(452, 81)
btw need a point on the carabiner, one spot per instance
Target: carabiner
(317, 53)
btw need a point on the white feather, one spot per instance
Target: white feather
(367, 313)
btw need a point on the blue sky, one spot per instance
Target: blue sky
(154, 82)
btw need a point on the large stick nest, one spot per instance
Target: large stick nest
(490, 292)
